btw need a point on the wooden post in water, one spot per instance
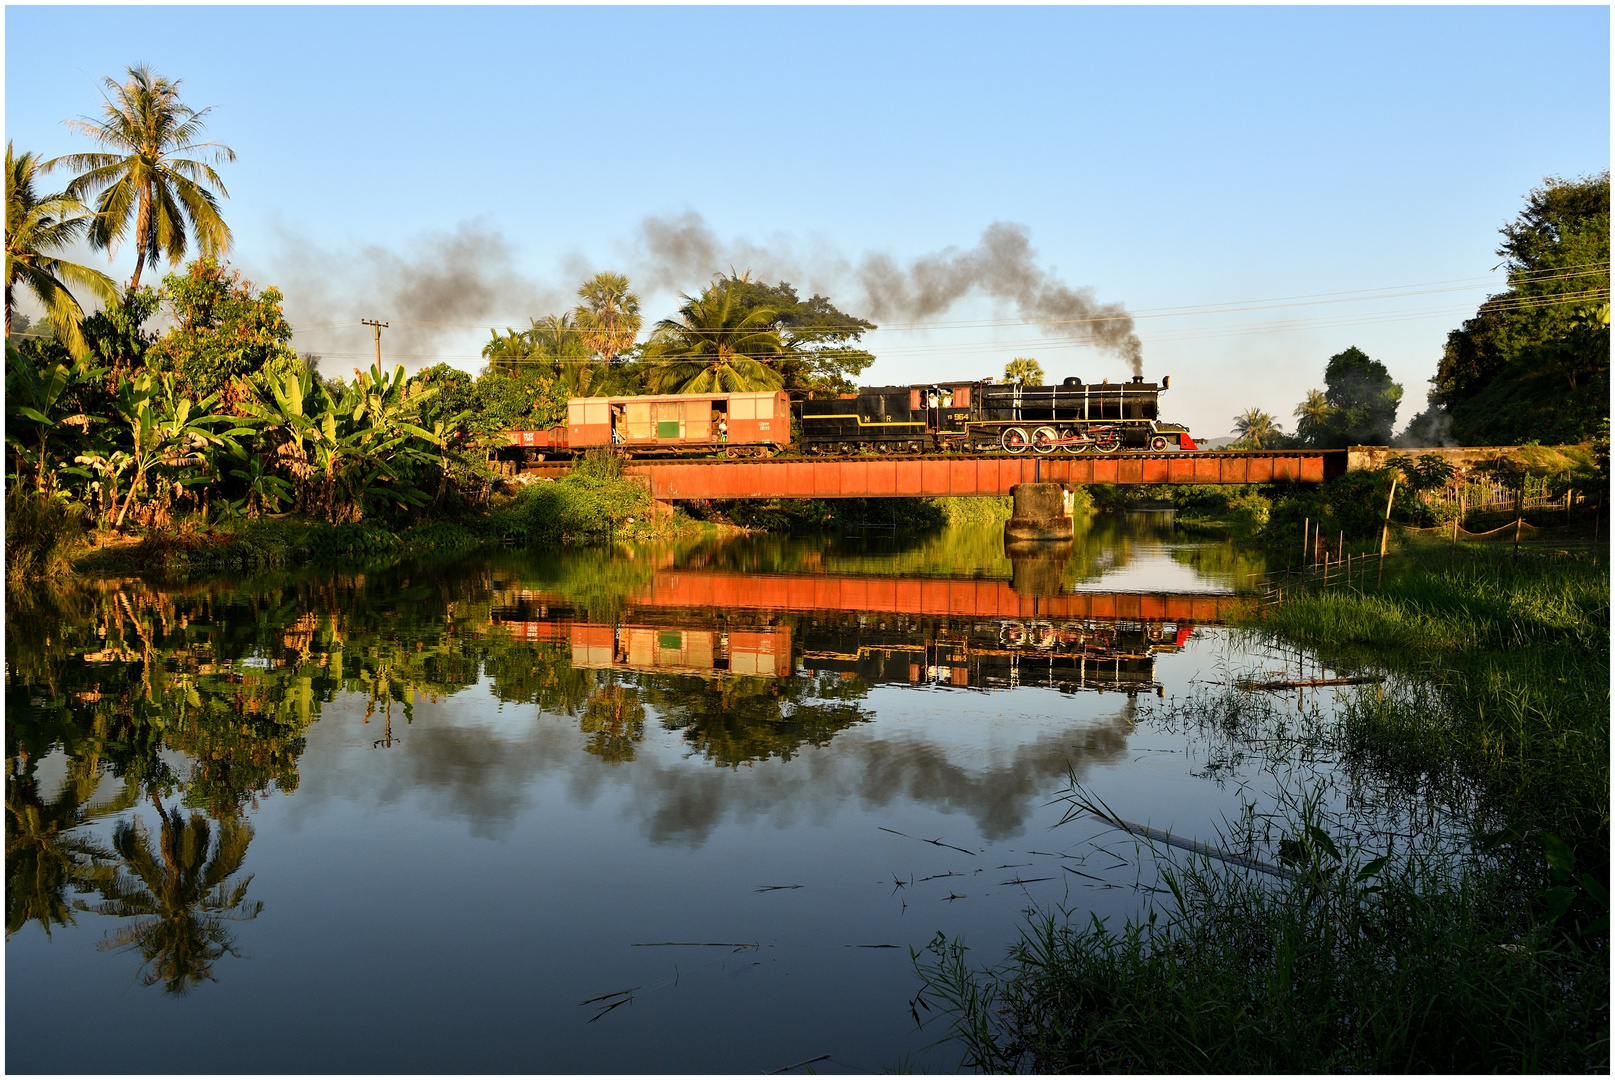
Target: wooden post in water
(1306, 534)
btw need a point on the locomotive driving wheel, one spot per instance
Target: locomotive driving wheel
(1045, 440)
(1108, 442)
(1014, 440)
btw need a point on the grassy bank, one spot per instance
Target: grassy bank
(1372, 955)
(46, 538)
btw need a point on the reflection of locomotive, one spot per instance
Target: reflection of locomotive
(960, 416)
(980, 416)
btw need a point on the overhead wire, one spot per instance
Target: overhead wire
(1390, 292)
(1047, 342)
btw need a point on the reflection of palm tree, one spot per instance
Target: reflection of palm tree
(614, 719)
(746, 718)
(179, 896)
(45, 858)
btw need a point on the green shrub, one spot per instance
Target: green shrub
(42, 533)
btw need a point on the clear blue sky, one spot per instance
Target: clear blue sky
(1166, 158)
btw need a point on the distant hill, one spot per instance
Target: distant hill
(1216, 444)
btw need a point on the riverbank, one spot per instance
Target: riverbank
(1494, 712)
(47, 538)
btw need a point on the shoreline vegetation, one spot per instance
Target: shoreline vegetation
(51, 535)
(1371, 955)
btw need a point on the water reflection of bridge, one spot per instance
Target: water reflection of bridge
(729, 591)
(963, 633)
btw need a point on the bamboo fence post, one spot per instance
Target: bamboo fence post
(1385, 531)
(1519, 518)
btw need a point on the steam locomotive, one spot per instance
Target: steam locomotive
(973, 417)
(983, 416)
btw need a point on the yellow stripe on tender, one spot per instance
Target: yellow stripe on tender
(867, 423)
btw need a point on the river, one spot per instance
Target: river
(673, 809)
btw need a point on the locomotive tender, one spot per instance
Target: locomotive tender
(973, 417)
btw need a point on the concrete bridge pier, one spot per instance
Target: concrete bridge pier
(1042, 512)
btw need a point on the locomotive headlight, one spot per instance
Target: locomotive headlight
(1166, 382)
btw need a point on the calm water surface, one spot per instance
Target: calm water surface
(672, 809)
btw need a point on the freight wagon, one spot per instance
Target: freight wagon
(661, 425)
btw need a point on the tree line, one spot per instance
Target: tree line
(220, 415)
(1532, 365)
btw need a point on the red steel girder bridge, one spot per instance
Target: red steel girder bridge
(957, 474)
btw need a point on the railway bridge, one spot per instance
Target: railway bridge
(962, 474)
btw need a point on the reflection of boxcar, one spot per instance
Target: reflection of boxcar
(737, 425)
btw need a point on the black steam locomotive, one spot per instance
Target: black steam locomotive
(981, 416)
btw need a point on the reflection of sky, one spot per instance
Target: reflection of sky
(1151, 568)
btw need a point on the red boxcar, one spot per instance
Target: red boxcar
(661, 424)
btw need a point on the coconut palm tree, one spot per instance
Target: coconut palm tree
(1257, 428)
(715, 345)
(36, 225)
(140, 179)
(1025, 370)
(1312, 417)
(608, 318)
(179, 895)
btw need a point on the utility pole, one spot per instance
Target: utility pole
(376, 328)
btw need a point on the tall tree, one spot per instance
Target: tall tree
(223, 332)
(820, 342)
(1533, 363)
(1257, 428)
(1362, 401)
(1312, 418)
(35, 226)
(715, 344)
(1025, 370)
(145, 189)
(608, 319)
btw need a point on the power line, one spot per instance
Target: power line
(1165, 335)
(1390, 292)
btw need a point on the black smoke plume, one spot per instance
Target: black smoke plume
(684, 252)
(442, 286)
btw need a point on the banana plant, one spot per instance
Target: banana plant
(342, 453)
(168, 430)
(36, 410)
(265, 490)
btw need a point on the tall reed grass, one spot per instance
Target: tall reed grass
(1482, 946)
